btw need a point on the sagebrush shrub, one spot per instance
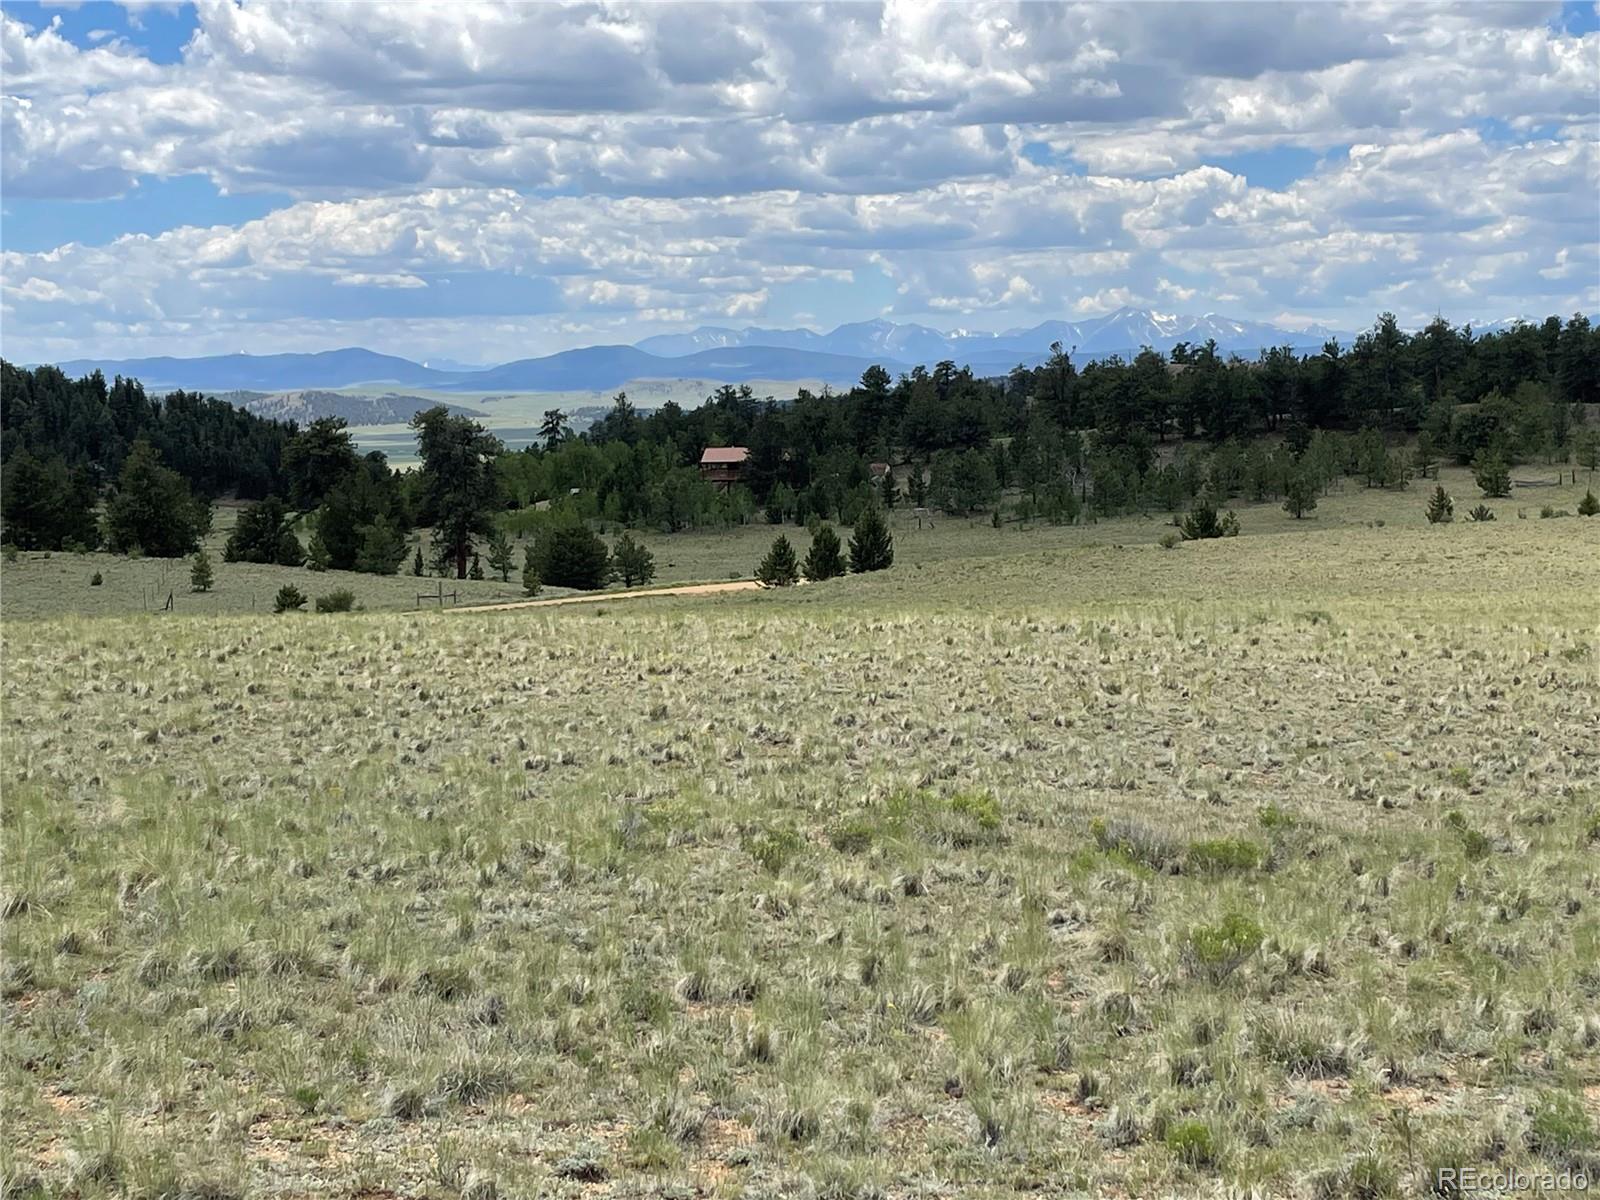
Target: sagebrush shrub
(773, 848)
(1137, 841)
(337, 601)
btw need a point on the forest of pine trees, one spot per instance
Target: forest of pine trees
(1063, 441)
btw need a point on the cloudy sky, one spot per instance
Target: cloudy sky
(488, 181)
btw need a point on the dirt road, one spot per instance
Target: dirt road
(688, 589)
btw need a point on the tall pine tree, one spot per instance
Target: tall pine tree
(457, 482)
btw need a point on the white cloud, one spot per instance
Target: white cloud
(636, 165)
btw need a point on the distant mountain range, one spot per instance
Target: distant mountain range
(716, 354)
(1121, 332)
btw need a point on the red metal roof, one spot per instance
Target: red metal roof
(723, 456)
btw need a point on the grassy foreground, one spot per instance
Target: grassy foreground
(1267, 863)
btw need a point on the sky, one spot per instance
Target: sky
(487, 181)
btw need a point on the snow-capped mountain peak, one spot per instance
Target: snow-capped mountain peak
(1123, 331)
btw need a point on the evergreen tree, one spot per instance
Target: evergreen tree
(200, 572)
(963, 482)
(316, 459)
(1482, 512)
(553, 430)
(871, 547)
(383, 549)
(501, 558)
(363, 497)
(1588, 506)
(457, 483)
(1440, 507)
(778, 568)
(1300, 496)
(1202, 521)
(825, 559)
(262, 535)
(153, 509)
(288, 599)
(1373, 457)
(1424, 455)
(888, 491)
(632, 562)
(316, 552)
(573, 556)
(416, 561)
(290, 552)
(1587, 445)
(46, 506)
(531, 584)
(1491, 474)
(918, 486)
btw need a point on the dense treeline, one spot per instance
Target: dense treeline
(86, 423)
(1088, 440)
(1063, 443)
(65, 443)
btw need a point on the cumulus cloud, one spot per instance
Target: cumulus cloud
(583, 170)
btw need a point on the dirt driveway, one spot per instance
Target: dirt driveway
(688, 589)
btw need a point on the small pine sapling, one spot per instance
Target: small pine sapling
(779, 568)
(200, 577)
(1440, 507)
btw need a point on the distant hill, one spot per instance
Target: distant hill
(391, 408)
(264, 372)
(613, 366)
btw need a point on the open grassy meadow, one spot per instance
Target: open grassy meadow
(1046, 862)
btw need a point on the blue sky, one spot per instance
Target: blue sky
(493, 180)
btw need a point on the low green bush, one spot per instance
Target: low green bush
(1215, 952)
(773, 848)
(338, 601)
(1270, 816)
(850, 836)
(1220, 855)
(1192, 1143)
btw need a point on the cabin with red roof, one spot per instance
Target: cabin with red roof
(723, 466)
